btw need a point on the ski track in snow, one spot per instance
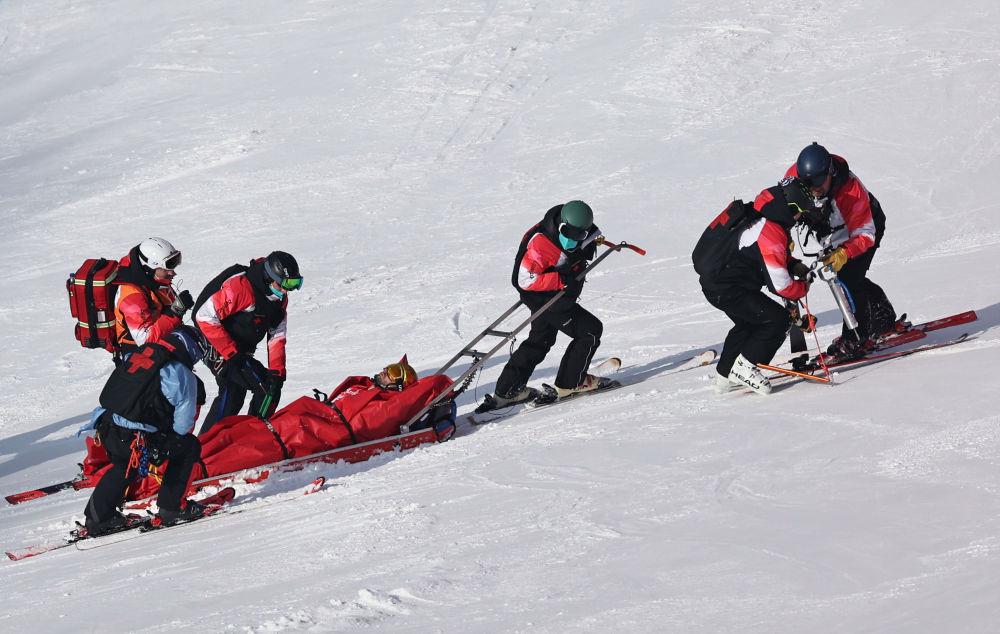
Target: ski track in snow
(400, 152)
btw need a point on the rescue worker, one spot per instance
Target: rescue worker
(147, 306)
(148, 410)
(235, 312)
(550, 257)
(745, 248)
(851, 220)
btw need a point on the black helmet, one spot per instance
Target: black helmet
(797, 195)
(188, 345)
(282, 268)
(814, 164)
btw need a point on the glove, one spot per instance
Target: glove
(254, 375)
(836, 260)
(170, 445)
(569, 271)
(158, 447)
(181, 304)
(806, 323)
(799, 270)
(273, 382)
(245, 371)
(233, 365)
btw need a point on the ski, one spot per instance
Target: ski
(783, 373)
(76, 535)
(217, 508)
(489, 403)
(875, 358)
(40, 492)
(909, 335)
(957, 319)
(483, 418)
(83, 541)
(212, 504)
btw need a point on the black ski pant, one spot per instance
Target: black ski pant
(872, 308)
(759, 325)
(564, 316)
(109, 494)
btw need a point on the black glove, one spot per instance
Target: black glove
(252, 375)
(798, 270)
(168, 445)
(245, 371)
(569, 271)
(158, 447)
(182, 303)
(233, 365)
(273, 382)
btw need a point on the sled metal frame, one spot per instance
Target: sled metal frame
(480, 358)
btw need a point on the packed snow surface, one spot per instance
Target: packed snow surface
(399, 151)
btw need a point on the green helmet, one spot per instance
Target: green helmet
(578, 214)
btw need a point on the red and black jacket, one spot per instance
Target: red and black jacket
(540, 259)
(855, 215)
(236, 310)
(761, 256)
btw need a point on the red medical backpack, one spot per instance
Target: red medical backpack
(92, 303)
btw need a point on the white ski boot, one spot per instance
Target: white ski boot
(748, 374)
(722, 384)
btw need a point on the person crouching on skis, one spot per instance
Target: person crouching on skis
(148, 410)
(851, 218)
(744, 248)
(551, 255)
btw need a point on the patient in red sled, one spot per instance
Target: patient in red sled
(358, 410)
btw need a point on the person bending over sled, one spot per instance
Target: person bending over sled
(359, 410)
(550, 257)
(852, 221)
(148, 410)
(744, 248)
(235, 311)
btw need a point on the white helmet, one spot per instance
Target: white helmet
(157, 253)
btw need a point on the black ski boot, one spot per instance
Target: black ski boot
(514, 396)
(114, 524)
(191, 512)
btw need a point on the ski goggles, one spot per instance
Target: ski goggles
(173, 261)
(400, 374)
(815, 181)
(291, 283)
(570, 232)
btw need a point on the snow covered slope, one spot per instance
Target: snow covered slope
(400, 150)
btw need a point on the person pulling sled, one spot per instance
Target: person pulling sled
(550, 257)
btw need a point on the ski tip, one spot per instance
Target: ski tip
(315, 486)
(17, 498)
